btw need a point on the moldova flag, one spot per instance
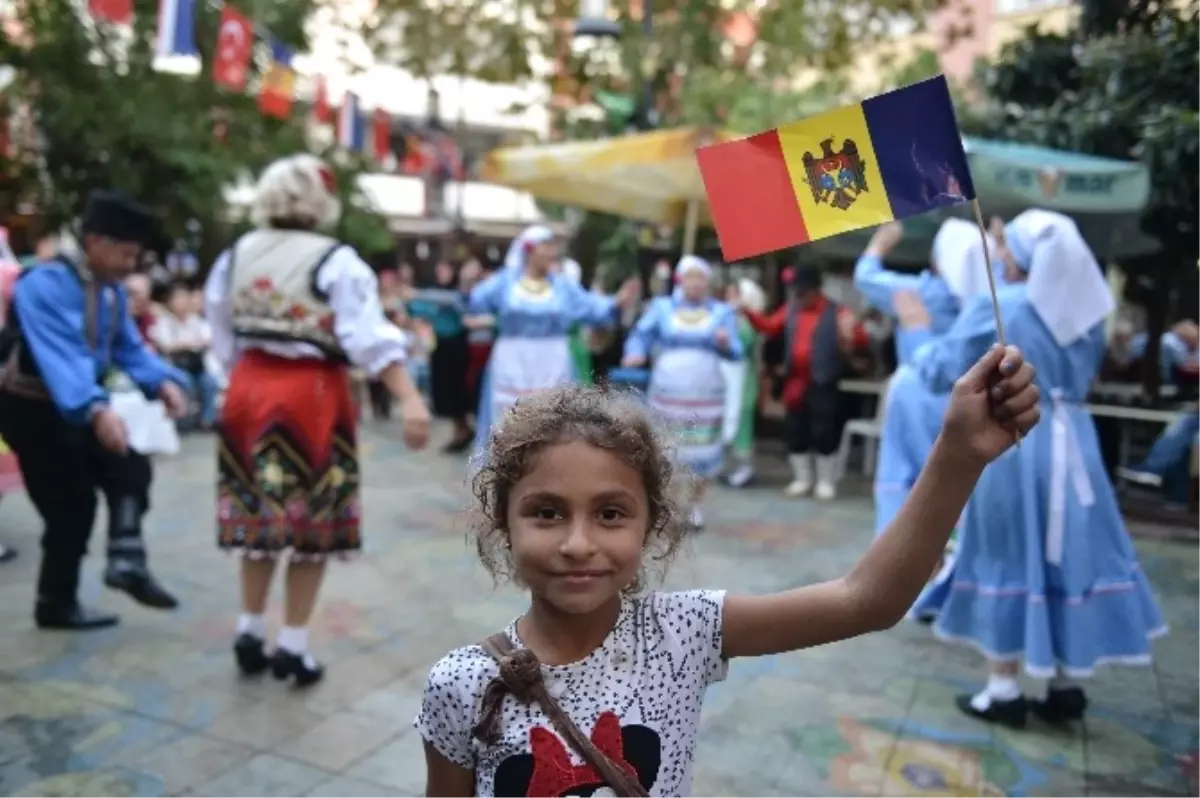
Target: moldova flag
(278, 83)
(886, 158)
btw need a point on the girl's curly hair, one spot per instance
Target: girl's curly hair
(608, 419)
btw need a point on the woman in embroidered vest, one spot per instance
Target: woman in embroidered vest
(535, 309)
(1045, 570)
(291, 309)
(688, 333)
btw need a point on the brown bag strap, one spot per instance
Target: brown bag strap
(521, 675)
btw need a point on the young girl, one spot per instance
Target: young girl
(607, 681)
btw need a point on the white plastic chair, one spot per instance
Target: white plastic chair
(870, 430)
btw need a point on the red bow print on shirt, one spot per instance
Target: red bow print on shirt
(553, 773)
(547, 769)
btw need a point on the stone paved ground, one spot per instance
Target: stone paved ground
(153, 707)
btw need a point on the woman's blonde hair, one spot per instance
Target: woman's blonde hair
(296, 191)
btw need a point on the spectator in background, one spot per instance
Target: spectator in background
(184, 337)
(141, 310)
(442, 306)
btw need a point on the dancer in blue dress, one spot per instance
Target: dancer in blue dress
(534, 309)
(688, 333)
(912, 413)
(1045, 572)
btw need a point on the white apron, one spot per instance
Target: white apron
(523, 366)
(687, 391)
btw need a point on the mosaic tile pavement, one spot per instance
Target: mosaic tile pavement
(153, 707)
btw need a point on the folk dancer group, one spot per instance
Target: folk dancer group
(1044, 574)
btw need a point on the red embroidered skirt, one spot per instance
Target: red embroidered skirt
(287, 471)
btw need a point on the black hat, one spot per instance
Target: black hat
(805, 278)
(116, 216)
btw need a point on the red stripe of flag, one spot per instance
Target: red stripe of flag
(750, 194)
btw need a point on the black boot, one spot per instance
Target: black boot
(57, 587)
(1061, 706)
(1006, 713)
(131, 575)
(251, 658)
(285, 664)
(70, 616)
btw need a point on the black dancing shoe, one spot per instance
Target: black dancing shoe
(1061, 706)
(71, 617)
(1007, 713)
(251, 658)
(285, 664)
(136, 580)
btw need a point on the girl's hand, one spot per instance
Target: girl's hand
(721, 339)
(991, 406)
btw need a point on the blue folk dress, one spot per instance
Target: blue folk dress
(1045, 570)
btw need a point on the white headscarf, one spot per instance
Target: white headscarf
(752, 295)
(1066, 286)
(686, 265)
(959, 258)
(536, 234)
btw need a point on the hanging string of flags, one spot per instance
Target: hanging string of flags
(237, 35)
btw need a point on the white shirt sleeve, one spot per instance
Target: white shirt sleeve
(370, 341)
(691, 622)
(453, 693)
(218, 312)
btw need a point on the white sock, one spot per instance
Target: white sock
(1062, 682)
(294, 639)
(251, 624)
(999, 688)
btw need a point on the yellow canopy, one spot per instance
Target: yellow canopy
(647, 176)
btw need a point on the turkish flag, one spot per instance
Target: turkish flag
(235, 41)
(118, 12)
(381, 134)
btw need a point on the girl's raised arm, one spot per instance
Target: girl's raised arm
(444, 778)
(989, 403)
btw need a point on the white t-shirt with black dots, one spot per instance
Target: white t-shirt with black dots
(637, 696)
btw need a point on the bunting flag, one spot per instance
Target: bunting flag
(176, 28)
(350, 132)
(118, 12)
(235, 43)
(381, 134)
(321, 109)
(278, 83)
(890, 157)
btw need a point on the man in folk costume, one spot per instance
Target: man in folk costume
(69, 324)
(291, 309)
(817, 335)
(1046, 575)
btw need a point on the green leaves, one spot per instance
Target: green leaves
(1123, 86)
